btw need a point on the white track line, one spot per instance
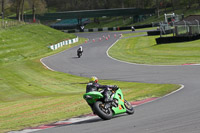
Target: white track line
(182, 86)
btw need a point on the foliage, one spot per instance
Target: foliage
(17, 6)
(106, 4)
(20, 6)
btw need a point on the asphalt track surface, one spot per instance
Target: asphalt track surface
(176, 113)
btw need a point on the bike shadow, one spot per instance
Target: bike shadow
(75, 58)
(92, 120)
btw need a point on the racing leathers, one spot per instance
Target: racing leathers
(95, 87)
(80, 49)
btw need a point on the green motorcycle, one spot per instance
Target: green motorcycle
(107, 110)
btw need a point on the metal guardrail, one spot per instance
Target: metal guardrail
(189, 28)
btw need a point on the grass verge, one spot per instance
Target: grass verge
(143, 50)
(32, 95)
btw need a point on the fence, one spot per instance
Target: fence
(6, 24)
(187, 28)
(11, 23)
(184, 31)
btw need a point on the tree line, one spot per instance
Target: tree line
(64, 5)
(20, 7)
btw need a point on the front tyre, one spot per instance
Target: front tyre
(103, 112)
(129, 107)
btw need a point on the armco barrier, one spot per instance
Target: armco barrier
(175, 39)
(109, 28)
(157, 32)
(65, 42)
(100, 29)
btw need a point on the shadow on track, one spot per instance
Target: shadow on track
(75, 58)
(93, 120)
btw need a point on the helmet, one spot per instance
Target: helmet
(81, 48)
(93, 79)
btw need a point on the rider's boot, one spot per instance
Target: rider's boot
(92, 108)
(107, 102)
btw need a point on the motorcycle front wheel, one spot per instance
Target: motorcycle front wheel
(101, 110)
(129, 107)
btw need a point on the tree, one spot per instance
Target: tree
(172, 3)
(122, 3)
(22, 11)
(19, 8)
(106, 4)
(199, 2)
(189, 3)
(38, 6)
(2, 9)
(157, 7)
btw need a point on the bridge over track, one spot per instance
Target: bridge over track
(93, 13)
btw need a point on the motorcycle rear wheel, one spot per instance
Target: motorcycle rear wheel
(103, 112)
(79, 55)
(129, 107)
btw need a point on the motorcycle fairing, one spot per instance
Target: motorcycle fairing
(91, 97)
(121, 107)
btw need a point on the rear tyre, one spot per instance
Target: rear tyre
(103, 112)
(79, 55)
(129, 107)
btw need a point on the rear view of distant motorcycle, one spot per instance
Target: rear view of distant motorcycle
(80, 51)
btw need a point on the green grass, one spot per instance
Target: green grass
(133, 34)
(32, 95)
(143, 50)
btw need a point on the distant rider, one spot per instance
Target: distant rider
(132, 28)
(94, 86)
(80, 50)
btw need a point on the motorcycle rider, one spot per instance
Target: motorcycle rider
(94, 86)
(132, 28)
(80, 50)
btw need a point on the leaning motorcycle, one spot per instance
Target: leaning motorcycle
(107, 110)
